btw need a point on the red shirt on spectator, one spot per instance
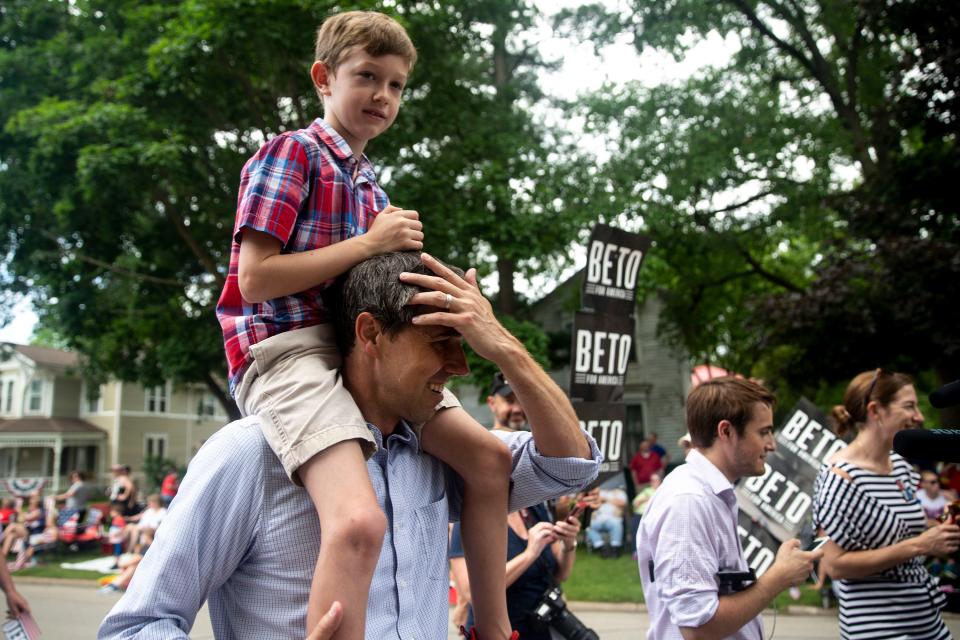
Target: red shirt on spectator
(644, 463)
(7, 515)
(169, 486)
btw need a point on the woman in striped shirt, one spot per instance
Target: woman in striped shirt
(865, 501)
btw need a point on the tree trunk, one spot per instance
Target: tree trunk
(507, 300)
(226, 400)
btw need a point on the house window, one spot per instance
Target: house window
(93, 402)
(157, 399)
(35, 396)
(208, 405)
(155, 445)
(8, 398)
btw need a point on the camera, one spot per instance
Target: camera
(552, 611)
(731, 581)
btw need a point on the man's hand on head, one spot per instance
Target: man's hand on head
(460, 306)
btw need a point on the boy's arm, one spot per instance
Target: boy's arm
(265, 273)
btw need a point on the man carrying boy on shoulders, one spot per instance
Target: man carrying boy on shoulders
(309, 209)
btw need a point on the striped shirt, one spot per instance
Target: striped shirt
(688, 533)
(872, 511)
(298, 188)
(244, 537)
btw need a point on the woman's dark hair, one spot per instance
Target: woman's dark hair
(876, 385)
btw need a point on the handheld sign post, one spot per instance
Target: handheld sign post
(603, 333)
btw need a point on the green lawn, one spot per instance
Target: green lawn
(594, 579)
(48, 565)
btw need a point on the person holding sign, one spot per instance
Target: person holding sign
(696, 582)
(866, 502)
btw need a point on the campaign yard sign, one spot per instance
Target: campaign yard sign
(605, 421)
(614, 257)
(602, 347)
(781, 500)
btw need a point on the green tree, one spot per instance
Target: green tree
(796, 191)
(125, 126)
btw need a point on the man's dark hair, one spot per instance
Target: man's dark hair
(374, 286)
(727, 398)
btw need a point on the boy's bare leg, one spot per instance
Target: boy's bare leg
(484, 463)
(352, 526)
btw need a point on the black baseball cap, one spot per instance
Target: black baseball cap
(500, 386)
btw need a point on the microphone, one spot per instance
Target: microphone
(941, 445)
(946, 396)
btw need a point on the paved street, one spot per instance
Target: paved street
(74, 611)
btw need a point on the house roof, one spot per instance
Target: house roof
(46, 356)
(48, 425)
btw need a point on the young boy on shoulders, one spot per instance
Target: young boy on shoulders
(309, 209)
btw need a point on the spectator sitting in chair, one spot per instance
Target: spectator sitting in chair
(608, 518)
(32, 523)
(8, 512)
(147, 520)
(128, 565)
(39, 532)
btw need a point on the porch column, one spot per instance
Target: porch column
(57, 454)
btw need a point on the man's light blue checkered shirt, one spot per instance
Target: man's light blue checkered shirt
(241, 535)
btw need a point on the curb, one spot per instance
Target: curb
(77, 582)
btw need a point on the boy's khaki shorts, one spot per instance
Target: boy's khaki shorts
(294, 385)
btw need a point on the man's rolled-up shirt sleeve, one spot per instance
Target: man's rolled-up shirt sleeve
(205, 535)
(686, 562)
(537, 477)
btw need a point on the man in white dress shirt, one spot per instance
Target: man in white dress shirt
(688, 534)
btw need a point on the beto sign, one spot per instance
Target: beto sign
(613, 263)
(602, 346)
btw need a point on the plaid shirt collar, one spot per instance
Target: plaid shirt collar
(339, 147)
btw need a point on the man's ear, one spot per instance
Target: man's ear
(724, 430)
(367, 333)
(321, 77)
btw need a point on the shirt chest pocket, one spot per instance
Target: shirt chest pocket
(432, 542)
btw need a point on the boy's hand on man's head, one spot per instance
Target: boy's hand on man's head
(395, 229)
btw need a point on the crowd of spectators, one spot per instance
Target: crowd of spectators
(36, 524)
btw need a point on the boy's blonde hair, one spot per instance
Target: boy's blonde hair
(377, 33)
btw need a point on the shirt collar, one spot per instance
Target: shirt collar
(401, 433)
(709, 473)
(335, 142)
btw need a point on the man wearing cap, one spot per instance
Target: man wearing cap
(508, 415)
(540, 552)
(246, 539)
